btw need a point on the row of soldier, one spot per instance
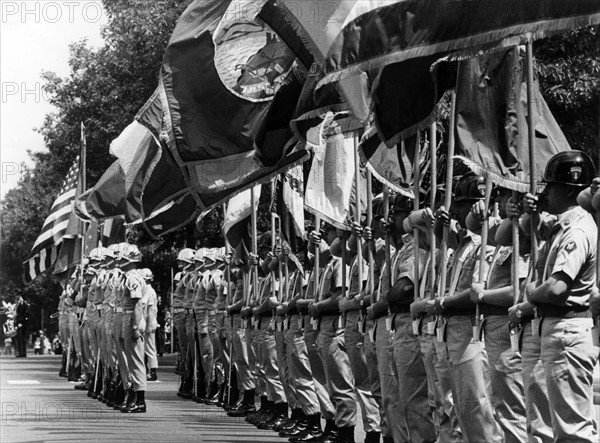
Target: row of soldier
(107, 322)
(391, 341)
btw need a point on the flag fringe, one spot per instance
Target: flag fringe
(513, 184)
(506, 37)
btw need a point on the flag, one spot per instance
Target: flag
(144, 180)
(287, 201)
(331, 175)
(58, 224)
(390, 166)
(379, 32)
(237, 217)
(491, 120)
(107, 232)
(219, 77)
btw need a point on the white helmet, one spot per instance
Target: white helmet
(96, 254)
(131, 253)
(147, 274)
(186, 255)
(200, 254)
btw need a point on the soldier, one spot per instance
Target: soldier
(466, 358)
(561, 296)
(412, 377)
(196, 293)
(95, 297)
(240, 344)
(134, 326)
(359, 350)
(151, 325)
(276, 406)
(185, 263)
(82, 300)
(495, 296)
(63, 331)
(331, 342)
(107, 277)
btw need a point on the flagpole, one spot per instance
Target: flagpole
(532, 180)
(83, 185)
(359, 256)
(433, 195)
(172, 313)
(254, 241)
(371, 286)
(514, 331)
(416, 191)
(315, 322)
(386, 216)
(228, 301)
(482, 255)
(447, 203)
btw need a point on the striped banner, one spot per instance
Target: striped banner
(45, 249)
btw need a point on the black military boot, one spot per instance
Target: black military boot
(254, 415)
(345, 435)
(127, 400)
(110, 400)
(373, 437)
(299, 424)
(119, 393)
(152, 375)
(246, 406)
(132, 399)
(280, 415)
(139, 406)
(85, 385)
(63, 366)
(290, 422)
(266, 414)
(312, 431)
(213, 394)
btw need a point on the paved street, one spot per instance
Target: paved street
(37, 405)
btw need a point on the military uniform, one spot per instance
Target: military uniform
(357, 355)
(179, 321)
(151, 325)
(567, 351)
(340, 380)
(467, 359)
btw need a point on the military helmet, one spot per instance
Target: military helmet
(96, 254)
(402, 203)
(264, 240)
(131, 253)
(186, 255)
(113, 251)
(147, 274)
(574, 168)
(199, 255)
(470, 187)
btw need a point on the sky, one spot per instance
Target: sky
(35, 37)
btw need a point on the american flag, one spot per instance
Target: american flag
(45, 249)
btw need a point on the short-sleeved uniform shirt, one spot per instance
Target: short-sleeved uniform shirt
(355, 284)
(201, 285)
(465, 263)
(179, 293)
(403, 261)
(572, 250)
(114, 283)
(500, 271)
(133, 289)
(332, 278)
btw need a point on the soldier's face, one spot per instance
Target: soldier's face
(460, 210)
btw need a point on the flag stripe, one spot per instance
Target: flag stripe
(45, 249)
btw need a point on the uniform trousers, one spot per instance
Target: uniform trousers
(119, 324)
(299, 368)
(374, 381)
(289, 387)
(241, 358)
(253, 336)
(469, 369)
(216, 333)
(508, 395)
(206, 348)
(412, 381)
(150, 349)
(355, 346)
(569, 357)
(317, 369)
(337, 370)
(134, 351)
(537, 404)
(269, 363)
(439, 384)
(108, 347)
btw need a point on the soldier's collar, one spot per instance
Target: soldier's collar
(571, 216)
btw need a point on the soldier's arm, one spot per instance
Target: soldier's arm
(555, 290)
(459, 300)
(402, 292)
(331, 303)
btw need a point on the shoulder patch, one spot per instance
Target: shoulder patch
(571, 246)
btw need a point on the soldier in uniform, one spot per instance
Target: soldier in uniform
(106, 303)
(134, 326)
(340, 380)
(466, 357)
(240, 345)
(495, 296)
(561, 296)
(150, 314)
(200, 344)
(185, 263)
(276, 405)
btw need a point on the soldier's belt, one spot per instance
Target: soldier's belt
(119, 309)
(179, 310)
(400, 309)
(128, 311)
(188, 311)
(459, 312)
(486, 309)
(546, 310)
